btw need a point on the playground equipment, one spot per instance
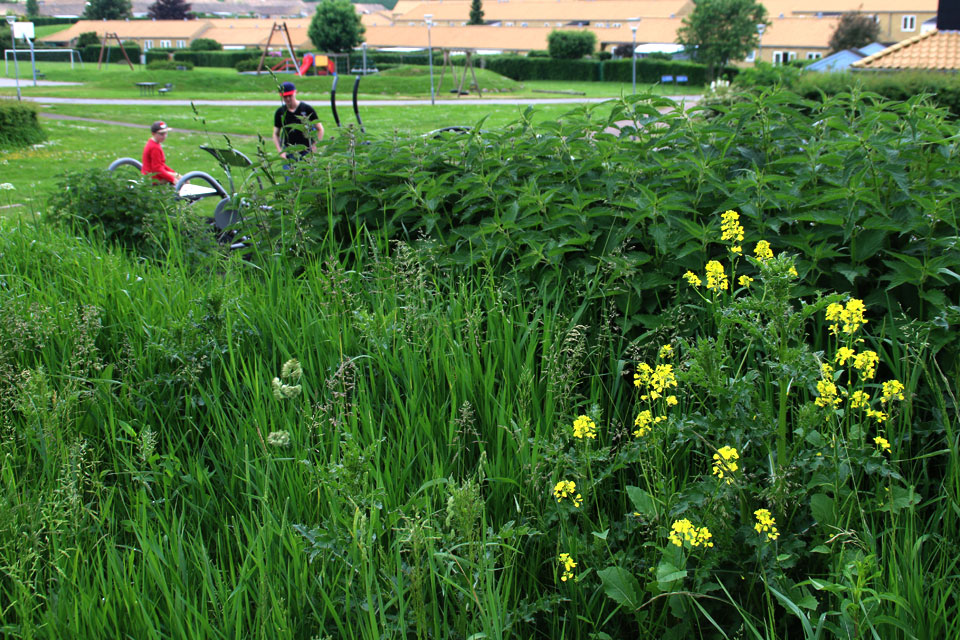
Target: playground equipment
(467, 65)
(323, 64)
(227, 212)
(103, 47)
(356, 106)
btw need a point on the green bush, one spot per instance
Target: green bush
(652, 70)
(205, 44)
(88, 39)
(19, 125)
(227, 59)
(247, 64)
(943, 89)
(91, 53)
(767, 75)
(111, 206)
(604, 55)
(169, 65)
(571, 45)
(538, 53)
(523, 68)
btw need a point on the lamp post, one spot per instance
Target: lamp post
(429, 19)
(633, 54)
(13, 42)
(760, 29)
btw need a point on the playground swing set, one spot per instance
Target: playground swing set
(324, 65)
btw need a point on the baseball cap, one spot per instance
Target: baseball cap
(159, 126)
(287, 89)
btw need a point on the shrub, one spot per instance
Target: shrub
(604, 55)
(571, 45)
(227, 59)
(942, 89)
(767, 75)
(538, 53)
(205, 44)
(19, 125)
(88, 39)
(522, 68)
(169, 65)
(113, 54)
(247, 64)
(110, 205)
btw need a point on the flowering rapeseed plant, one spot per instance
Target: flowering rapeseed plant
(584, 427)
(882, 443)
(725, 462)
(763, 251)
(849, 319)
(683, 531)
(891, 389)
(732, 230)
(567, 564)
(692, 279)
(766, 524)
(716, 276)
(567, 489)
(744, 281)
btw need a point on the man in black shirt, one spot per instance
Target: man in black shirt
(292, 124)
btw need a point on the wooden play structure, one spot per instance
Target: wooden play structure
(468, 64)
(103, 47)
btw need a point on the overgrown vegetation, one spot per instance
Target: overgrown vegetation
(19, 126)
(544, 384)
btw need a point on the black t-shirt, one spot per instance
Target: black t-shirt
(292, 123)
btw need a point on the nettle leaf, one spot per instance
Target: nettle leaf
(643, 502)
(620, 585)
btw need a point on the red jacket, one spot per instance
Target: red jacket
(155, 163)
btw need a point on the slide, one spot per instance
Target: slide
(306, 64)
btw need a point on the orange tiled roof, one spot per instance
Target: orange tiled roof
(934, 50)
(531, 11)
(167, 29)
(797, 32)
(806, 7)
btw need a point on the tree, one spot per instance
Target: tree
(107, 10)
(205, 44)
(718, 31)
(33, 8)
(336, 27)
(571, 45)
(854, 30)
(476, 12)
(169, 10)
(88, 38)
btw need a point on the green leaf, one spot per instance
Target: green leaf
(621, 586)
(643, 502)
(668, 575)
(822, 508)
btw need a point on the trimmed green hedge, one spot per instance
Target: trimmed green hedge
(523, 68)
(91, 53)
(19, 125)
(943, 88)
(225, 59)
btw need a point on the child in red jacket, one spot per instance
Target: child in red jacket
(154, 162)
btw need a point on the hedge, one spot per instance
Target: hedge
(523, 68)
(19, 125)
(227, 59)
(944, 89)
(91, 53)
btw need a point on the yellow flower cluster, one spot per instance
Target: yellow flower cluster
(828, 394)
(725, 463)
(892, 389)
(716, 276)
(683, 531)
(692, 279)
(866, 363)
(657, 381)
(859, 400)
(744, 281)
(567, 489)
(731, 230)
(645, 422)
(848, 318)
(584, 427)
(666, 352)
(566, 564)
(766, 524)
(882, 443)
(762, 251)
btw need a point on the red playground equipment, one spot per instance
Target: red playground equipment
(324, 65)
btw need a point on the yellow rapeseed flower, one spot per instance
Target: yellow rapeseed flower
(763, 251)
(866, 363)
(567, 489)
(566, 564)
(725, 462)
(744, 281)
(766, 524)
(672, 401)
(882, 443)
(793, 272)
(732, 230)
(859, 399)
(716, 276)
(683, 531)
(692, 279)
(666, 352)
(827, 394)
(584, 427)
(844, 354)
(879, 416)
(892, 389)
(848, 319)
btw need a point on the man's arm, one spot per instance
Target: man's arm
(276, 142)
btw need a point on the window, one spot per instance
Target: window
(617, 25)
(509, 24)
(147, 45)
(779, 57)
(791, 55)
(752, 55)
(181, 44)
(814, 55)
(165, 44)
(523, 24)
(909, 23)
